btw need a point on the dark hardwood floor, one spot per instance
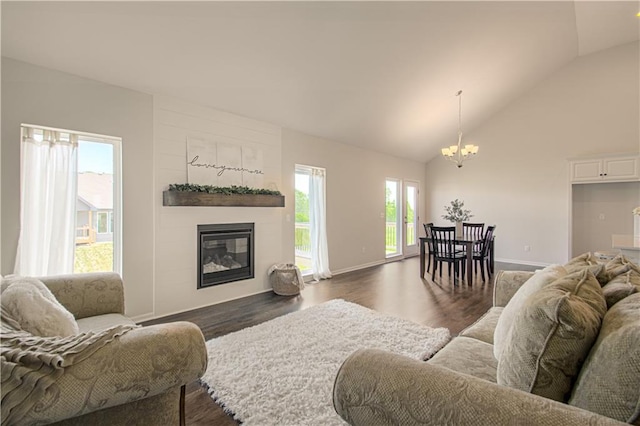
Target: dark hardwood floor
(394, 288)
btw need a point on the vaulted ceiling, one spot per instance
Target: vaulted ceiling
(380, 75)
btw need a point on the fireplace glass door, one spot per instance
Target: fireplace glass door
(225, 253)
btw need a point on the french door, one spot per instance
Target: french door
(401, 224)
(410, 218)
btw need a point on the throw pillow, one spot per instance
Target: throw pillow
(620, 265)
(608, 381)
(585, 259)
(620, 287)
(589, 261)
(35, 308)
(532, 285)
(552, 336)
(599, 271)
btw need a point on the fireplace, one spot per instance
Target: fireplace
(225, 253)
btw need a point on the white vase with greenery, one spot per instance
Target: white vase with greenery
(457, 214)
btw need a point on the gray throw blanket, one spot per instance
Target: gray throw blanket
(31, 364)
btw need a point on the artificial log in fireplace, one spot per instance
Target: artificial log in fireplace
(225, 253)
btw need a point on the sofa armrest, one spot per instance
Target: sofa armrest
(87, 295)
(381, 388)
(141, 363)
(506, 285)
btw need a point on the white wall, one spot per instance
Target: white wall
(519, 181)
(175, 227)
(611, 201)
(36, 95)
(355, 196)
(159, 242)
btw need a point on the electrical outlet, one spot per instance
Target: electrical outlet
(527, 248)
(601, 216)
(364, 249)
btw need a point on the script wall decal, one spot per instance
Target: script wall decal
(223, 164)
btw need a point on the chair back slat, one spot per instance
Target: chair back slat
(472, 231)
(427, 231)
(443, 238)
(488, 237)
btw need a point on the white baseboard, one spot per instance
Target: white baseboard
(142, 318)
(148, 317)
(522, 262)
(358, 267)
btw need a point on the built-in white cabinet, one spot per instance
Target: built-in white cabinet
(607, 169)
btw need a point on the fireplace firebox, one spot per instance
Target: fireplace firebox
(225, 253)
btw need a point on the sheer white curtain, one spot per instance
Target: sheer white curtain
(318, 225)
(48, 203)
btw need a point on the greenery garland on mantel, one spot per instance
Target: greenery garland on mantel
(227, 190)
(208, 195)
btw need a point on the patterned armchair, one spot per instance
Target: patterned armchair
(136, 375)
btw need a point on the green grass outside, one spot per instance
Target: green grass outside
(96, 257)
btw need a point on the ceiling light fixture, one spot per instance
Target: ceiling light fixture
(457, 153)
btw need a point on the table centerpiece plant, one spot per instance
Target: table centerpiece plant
(457, 214)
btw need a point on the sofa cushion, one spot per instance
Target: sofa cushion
(552, 336)
(29, 302)
(468, 356)
(620, 287)
(608, 383)
(532, 285)
(484, 327)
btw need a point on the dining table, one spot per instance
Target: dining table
(468, 245)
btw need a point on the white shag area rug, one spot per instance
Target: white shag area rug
(281, 372)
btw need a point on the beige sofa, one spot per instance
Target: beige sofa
(458, 386)
(136, 375)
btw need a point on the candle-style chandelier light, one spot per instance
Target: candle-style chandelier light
(458, 153)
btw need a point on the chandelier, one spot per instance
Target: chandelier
(457, 153)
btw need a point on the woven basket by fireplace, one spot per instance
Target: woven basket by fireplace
(286, 279)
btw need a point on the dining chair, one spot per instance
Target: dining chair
(481, 256)
(472, 231)
(444, 250)
(427, 232)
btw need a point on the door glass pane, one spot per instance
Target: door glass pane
(393, 225)
(411, 197)
(302, 228)
(102, 223)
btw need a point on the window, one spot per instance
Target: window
(312, 253)
(70, 202)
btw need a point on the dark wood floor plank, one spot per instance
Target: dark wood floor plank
(394, 288)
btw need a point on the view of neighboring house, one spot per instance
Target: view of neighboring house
(94, 221)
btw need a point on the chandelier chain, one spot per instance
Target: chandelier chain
(459, 95)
